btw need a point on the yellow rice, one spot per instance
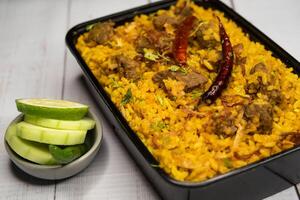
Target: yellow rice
(186, 146)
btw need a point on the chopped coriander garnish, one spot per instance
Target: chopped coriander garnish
(156, 166)
(196, 94)
(158, 126)
(174, 68)
(183, 70)
(127, 97)
(150, 54)
(160, 100)
(89, 27)
(115, 84)
(227, 163)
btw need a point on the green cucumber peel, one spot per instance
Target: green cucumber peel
(65, 155)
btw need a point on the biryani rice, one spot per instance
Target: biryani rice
(181, 137)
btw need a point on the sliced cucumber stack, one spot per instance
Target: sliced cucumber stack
(83, 124)
(32, 151)
(49, 108)
(53, 131)
(50, 136)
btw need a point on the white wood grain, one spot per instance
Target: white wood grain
(31, 54)
(288, 194)
(276, 18)
(113, 174)
(227, 2)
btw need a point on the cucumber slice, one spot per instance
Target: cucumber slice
(83, 124)
(50, 136)
(33, 151)
(67, 154)
(55, 109)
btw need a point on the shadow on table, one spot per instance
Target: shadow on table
(22, 176)
(99, 158)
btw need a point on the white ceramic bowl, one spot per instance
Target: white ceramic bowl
(54, 172)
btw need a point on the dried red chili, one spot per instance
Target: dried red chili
(224, 74)
(180, 43)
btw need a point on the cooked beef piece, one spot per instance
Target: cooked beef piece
(223, 125)
(161, 20)
(254, 88)
(205, 44)
(238, 49)
(128, 67)
(259, 67)
(264, 112)
(164, 43)
(293, 137)
(162, 75)
(157, 40)
(184, 10)
(191, 80)
(159, 78)
(143, 42)
(241, 61)
(275, 96)
(101, 32)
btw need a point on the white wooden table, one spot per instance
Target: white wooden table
(34, 62)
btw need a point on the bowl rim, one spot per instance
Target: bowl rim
(97, 143)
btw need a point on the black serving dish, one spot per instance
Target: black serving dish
(254, 181)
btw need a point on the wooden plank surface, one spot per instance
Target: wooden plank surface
(35, 63)
(276, 18)
(31, 54)
(288, 194)
(227, 2)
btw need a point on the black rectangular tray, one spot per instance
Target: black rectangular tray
(254, 181)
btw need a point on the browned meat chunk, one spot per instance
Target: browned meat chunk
(254, 88)
(184, 10)
(223, 125)
(259, 67)
(161, 20)
(275, 96)
(205, 44)
(293, 137)
(162, 75)
(191, 80)
(143, 42)
(159, 41)
(159, 78)
(264, 112)
(101, 32)
(239, 60)
(128, 67)
(238, 49)
(164, 43)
